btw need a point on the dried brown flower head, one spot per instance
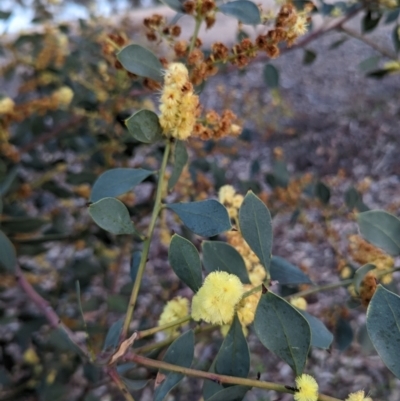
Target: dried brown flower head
(219, 51)
(189, 7)
(175, 30)
(181, 48)
(196, 56)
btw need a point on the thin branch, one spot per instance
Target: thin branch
(153, 330)
(150, 347)
(147, 242)
(151, 363)
(120, 384)
(322, 31)
(47, 310)
(369, 42)
(52, 134)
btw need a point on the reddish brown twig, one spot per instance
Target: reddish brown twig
(52, 134)
(47, 310)
(322, 31)
(120, 384)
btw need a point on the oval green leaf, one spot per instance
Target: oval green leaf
(112, 215)
(256, 228)
(185, 262)
(243, 10)
(180, 353)
(233, 358)
(370, 21)
(8, 257)
(381, 229)
(383, 324)
(206, 218)
(22, 224)
(321, 337)
(174, 4)
(343, 334)
(392, 16)
(221, 256)
(309, 56)
(140, 61)
(117, 181)
(396, 38)
(112, 338)
(134, 385)
(322, 192)
(285, 273)
(283, 330)
(144, 126)
(360, 274)
(7, 182)
(180, 160)
(271, 76)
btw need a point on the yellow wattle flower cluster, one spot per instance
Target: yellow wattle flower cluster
(388, 3)
(216, 300)
(358, 396)
(179, 105)
(255, 269)
(6, 105)
(231, 200)
(393, 66)
(246, 308)
(63, 96)
(307, 388)
(175, 309)
(363, 252)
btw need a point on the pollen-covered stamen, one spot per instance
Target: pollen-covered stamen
(179, 105)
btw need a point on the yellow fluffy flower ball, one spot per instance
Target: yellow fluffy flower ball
(358, 396)
(216, 300)
(299, 302)
(175, 309)
(63, 96)
(226, 194)
(6, 105)
(231, 200)
(247, 306)
(307, 388)
(179, 105)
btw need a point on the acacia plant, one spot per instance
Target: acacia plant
(240, 289)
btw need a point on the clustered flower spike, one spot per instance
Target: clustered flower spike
(307, 388)
(175, 309)
(231, 200)
(358, 396)
(246, 308)
(216, 300)
(179, 105)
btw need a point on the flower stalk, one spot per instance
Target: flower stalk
(151, 363)
(146, 245)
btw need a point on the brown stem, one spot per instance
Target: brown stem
(120, 384)
(322, 31)
(369, 42)
(52, 134)
(47, 310)
(151, 363)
